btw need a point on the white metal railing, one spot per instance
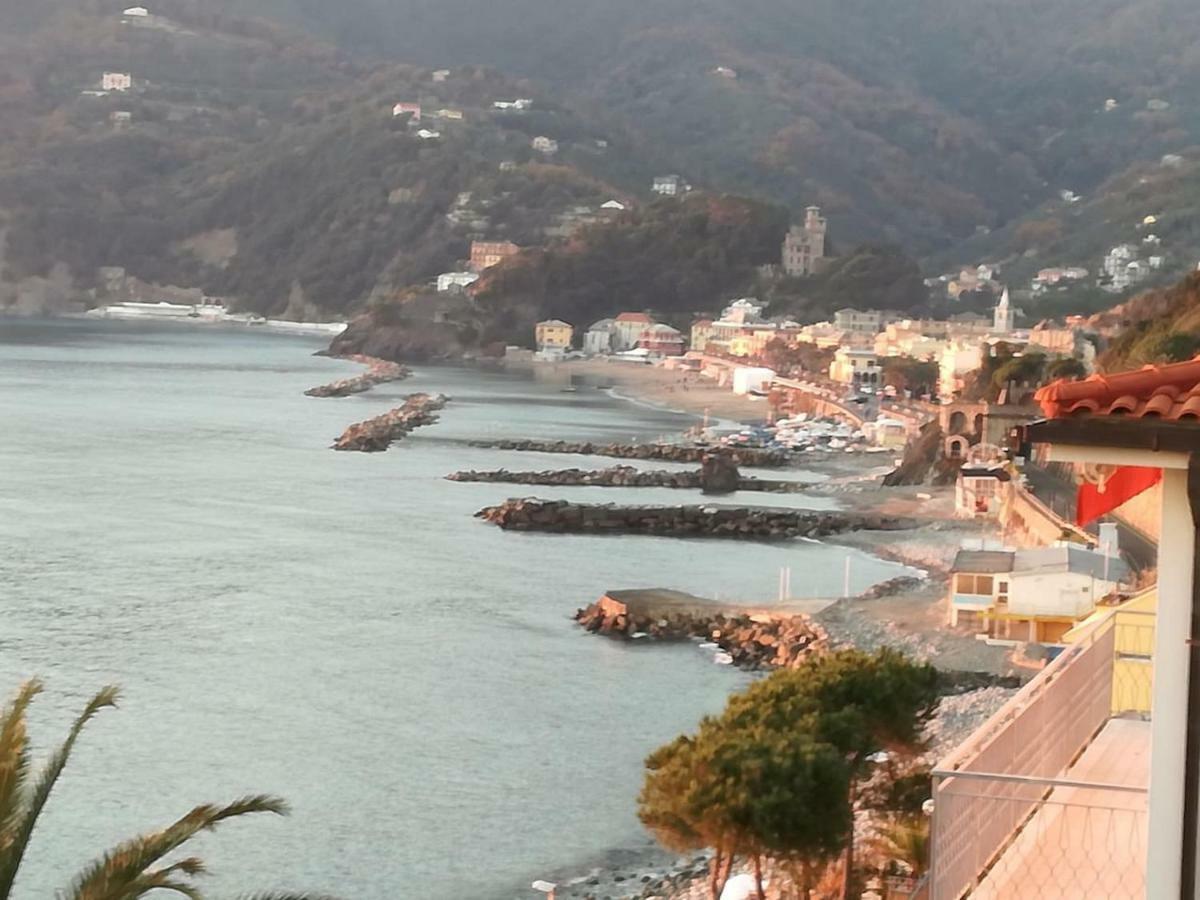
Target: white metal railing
(1010, 782)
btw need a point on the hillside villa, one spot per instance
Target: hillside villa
(456, 281)
(485, 254)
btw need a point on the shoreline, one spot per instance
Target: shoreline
(680, 392)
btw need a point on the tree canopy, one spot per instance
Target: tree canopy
(774, 774)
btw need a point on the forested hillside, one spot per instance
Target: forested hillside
(259, 158)
(270, 169)
(914, 122)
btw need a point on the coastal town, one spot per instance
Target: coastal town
(575, 451)
(1039, 556)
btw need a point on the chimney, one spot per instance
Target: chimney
(1110, 540)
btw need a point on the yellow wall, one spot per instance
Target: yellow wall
(554, 335)
(1133, 670)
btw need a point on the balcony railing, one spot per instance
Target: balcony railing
(1048, 799)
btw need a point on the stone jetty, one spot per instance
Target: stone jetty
(623, 476)
(748, 523)
(617, 476)
(753, 641)
(377, 434)
(379, 371)
(744, 456)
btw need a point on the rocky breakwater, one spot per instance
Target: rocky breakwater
(617, 476)
(621, 476)
(684, 453)
(377, 434)
(760, 641)
(379, 371)
(749, 523)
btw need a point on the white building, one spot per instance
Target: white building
(136, 12)
(669, 186)
(519, 105)
(598, 340)
(859, 368)
(752, 380)
(628, 328)
(116, 81)
(543, 144)
(1004, 318)
(744, 311)
(1117, 266)
(959, 357)
(456, 281)
(426, 135)
(1034, 594)
(978, 491)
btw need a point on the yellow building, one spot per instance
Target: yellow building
(702, 333)
(553, 334)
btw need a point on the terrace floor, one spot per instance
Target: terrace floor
(1084, 842)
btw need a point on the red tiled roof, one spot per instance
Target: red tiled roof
(1170, 392)
(634, 317)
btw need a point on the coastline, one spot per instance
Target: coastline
(912, 620)
(653, 387)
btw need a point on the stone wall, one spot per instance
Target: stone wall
(1028, 522)
(770, 459)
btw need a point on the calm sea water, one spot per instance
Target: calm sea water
(333, 628)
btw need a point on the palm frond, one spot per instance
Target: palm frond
(14, 770)
(116, 873)
(23, 824)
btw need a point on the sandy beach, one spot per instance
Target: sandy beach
(676, 390)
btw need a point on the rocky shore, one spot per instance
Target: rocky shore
(757, 523)
(749, 641)
(752, 458)
(624, 476)
(379, 371)
(377, 434)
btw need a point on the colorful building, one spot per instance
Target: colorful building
(485, 254)
(702, 333)
(553, 334)
(662, 340)
(628, 328)
(1034, 595)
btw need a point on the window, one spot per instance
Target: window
(978, 585)
(1004, 587)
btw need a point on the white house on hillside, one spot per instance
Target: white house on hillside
(456, 281)
(670, 186)
(116, 81)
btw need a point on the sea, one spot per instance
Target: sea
(336, 628)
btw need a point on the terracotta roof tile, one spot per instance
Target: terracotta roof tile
(1168, 392)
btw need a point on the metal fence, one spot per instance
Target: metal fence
(1008, 813)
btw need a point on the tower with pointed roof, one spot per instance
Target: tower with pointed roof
(1004, 318)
